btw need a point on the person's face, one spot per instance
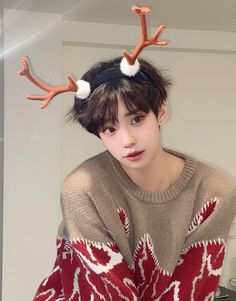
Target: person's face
(134, 132)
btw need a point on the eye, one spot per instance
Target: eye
(108, 130)
(137, 119)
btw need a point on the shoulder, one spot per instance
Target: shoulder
(87, 175)
(205, 177)
(216, 180)
(209, 182)
(215, 185)
(87, 192)
(86, 172)
(214, 205)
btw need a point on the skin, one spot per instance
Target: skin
(156, 169)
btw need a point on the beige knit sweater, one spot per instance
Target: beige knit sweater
(120, 242)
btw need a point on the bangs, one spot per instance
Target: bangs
(105, 104)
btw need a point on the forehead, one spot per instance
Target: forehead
(122, 110)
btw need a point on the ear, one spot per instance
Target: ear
(163, 114)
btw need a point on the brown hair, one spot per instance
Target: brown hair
(101, 105)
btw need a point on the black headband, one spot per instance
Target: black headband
(113, 74)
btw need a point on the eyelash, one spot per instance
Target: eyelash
(104, 129)
(139, 116)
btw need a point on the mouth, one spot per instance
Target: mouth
(134, 155)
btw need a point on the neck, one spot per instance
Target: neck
(161, 172)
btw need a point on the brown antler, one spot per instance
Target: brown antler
(52, 91)
(143, 42)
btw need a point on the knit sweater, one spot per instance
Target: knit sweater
(118, 241)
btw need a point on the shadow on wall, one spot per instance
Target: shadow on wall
(232, 280)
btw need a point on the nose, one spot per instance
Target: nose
(128, 138)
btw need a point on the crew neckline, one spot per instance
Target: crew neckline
(157, 196)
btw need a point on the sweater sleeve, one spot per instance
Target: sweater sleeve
(89, 265)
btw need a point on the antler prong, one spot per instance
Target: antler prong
(157, 34)
(72, 83)
(144, 41)
(25, 64)
(26, 72)
(51, 91)
(140, 10)
(36, 97)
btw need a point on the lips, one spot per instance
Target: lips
(134, 154)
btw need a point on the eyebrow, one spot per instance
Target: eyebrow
(135, 111)
(129, 113)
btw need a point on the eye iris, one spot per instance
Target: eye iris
(108, 130)
(138, 118)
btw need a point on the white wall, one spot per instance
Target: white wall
(40, 149)
(32, 151)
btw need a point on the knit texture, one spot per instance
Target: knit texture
(118, 241)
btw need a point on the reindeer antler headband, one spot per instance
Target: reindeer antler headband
(129, 67)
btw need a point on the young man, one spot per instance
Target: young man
(140, 222)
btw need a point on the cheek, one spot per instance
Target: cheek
(150, 130)
(109, 143)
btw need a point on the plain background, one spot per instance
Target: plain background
(40, 148)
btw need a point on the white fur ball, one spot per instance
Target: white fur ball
(127, 69)
(83, 89)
